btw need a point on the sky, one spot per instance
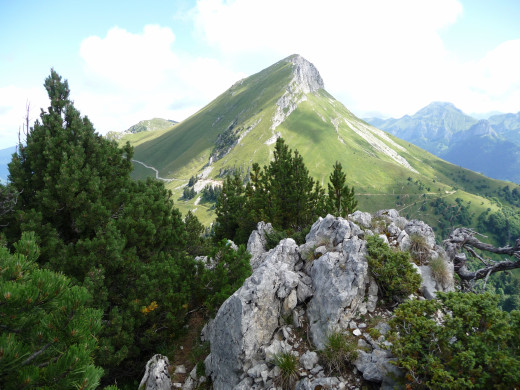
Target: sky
(126, 61)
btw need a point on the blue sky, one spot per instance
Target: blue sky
(131, 60)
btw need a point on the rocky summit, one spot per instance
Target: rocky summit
(298, 295)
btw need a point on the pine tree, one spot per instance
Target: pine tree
(48, 330)
(341, 197)
(292, 196)
(121, 239)
(194, 231)
(229, 207)
(282, 193)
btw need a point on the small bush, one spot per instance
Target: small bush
(199, 352)
(394, 274)
(299, 236)
(339, 350)
(374, 333)
(215, 284)
(200, 369)
(288, 365)
(475, 347)
(274, 238)
(419, 249)
(440, 270)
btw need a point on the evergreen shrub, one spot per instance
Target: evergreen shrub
(458, 341)
(395, 275)
(48, 327)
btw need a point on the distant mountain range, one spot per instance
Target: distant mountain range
(5, 158)
(289, 100)
(147, 125)
(490, 146)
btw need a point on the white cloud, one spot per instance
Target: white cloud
(493, 83)
(373, 55)
(13, 102)
(131, 77)
(132, 61)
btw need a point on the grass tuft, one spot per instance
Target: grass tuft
(339, 351)
(440, 271)
(419, 249)
(288, 365)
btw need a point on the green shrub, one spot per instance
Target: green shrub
(288, 365)
(199, 352)
(374, 333)
(299, 236)
(476, 345)
(379, 224)
(48, 331)
(395, 275)
(200, 369)
(274, 238)
(340, 349)
(215, 284)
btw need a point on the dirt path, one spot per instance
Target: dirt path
(156, 172)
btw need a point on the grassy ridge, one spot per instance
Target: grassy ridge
(323, 131)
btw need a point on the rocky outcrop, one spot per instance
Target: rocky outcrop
(317, 288)
(156, 376)
(246, 322)
(257, 242)
(340, 280)
(305, 74)
(401, 233)
(306, 79)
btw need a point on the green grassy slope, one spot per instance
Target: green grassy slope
(386, 172)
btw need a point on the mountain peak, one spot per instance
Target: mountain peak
(306, 79)
(438, 107)
(306, 76)
(482, 128)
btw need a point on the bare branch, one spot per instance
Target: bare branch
(8, 199)
(463, 238)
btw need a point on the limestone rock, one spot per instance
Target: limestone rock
(309, 359)
(339, 279)
(373, 365)
(318, 383)
(361, 218)
(421, 229)
(393, 230)
(156, 376)
(430, 285)
(257, 241)
(323, 284)
(247, 320)
(328, 232)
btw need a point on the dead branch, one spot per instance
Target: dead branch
(8, 199)
(464, 239)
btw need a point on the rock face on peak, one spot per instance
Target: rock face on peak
(305, 74)
(306, 79)
(320, 287)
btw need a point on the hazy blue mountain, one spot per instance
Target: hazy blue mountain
(481, 149)
(431, 128)
(488, 146)
(485, 115)
(5, 158)
(507, 125)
